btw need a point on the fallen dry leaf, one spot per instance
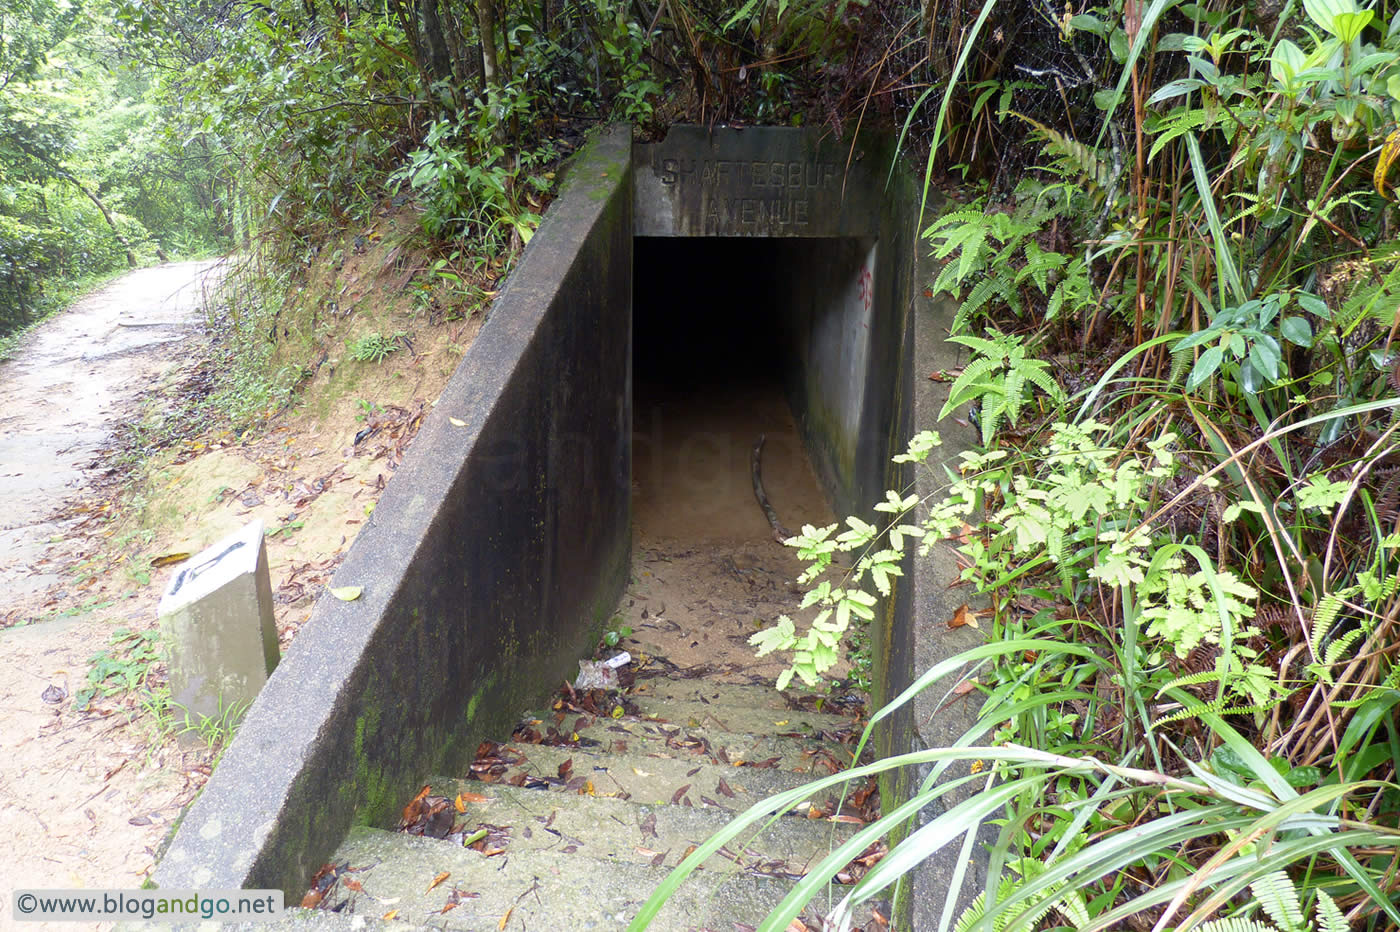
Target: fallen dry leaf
(505, 919)
(458, 422)
(464, 797)
(963, 616)
(414, 807)
(347, 593)
(437, 880)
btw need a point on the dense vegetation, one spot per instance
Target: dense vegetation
(1185, 515)
(88, 181)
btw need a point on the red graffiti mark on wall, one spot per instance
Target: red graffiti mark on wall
(867, 288)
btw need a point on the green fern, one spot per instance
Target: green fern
(992, 256)
(1072, 155)
(1277, 895)
(1279, 898)
(993, 286)
(1068, 902)
(1000, 376)
(1236, 924)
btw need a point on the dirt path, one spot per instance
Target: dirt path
(75, 375)
(85, 797)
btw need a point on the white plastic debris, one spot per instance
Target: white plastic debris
(618, 660)
(593, 674)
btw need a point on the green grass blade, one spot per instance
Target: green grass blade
(1224, 257)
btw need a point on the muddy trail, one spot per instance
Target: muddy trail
(87, 797)
(75, 377)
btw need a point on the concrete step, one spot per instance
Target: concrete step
(796, 751)
(681, 780)
(738, 696)
(742, 719)
(532, 889)
(620, 830)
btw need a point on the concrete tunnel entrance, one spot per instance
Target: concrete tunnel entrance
(712, 348)
(724, 331)
(680, 299)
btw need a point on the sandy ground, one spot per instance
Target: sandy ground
(86, 796)
(707, 572)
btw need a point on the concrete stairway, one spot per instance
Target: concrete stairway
(575, 821)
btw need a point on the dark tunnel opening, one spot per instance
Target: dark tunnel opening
(721, 333)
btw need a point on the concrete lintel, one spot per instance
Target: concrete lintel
(492, 559)
(764, 181)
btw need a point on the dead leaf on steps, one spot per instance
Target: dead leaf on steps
(437, 880)
(347, 593)
(963, 616)
(504, 919)
(460, 803)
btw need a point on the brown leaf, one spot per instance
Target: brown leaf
(351, 884)
(963, 616)
(415, 805)
(504, 919)
(660, 859)
(724, 788)
(312, 898)
(679, 794)
(847, 819)
(391, 915)
(566, 768)
(649, 825)
(437, 880)
(965, 687)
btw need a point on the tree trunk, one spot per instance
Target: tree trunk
(439, 65)
(92, 196)
(490, 63)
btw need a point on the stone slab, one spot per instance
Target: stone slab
(216, 615)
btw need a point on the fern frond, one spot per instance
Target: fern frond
(1084, 158)
(1278, 896)
(1236, 924)
(993, 286)
(1035, 371)
(1039, 265)
(1323, 617)
(1329, 917)
(1338, 648)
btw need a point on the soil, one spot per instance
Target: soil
(90, 789)
(707, 572)
(87, 796)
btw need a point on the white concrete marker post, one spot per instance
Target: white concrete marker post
(216, 615)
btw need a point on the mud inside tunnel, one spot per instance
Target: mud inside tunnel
(724, 330)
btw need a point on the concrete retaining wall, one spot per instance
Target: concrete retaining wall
(495, 555)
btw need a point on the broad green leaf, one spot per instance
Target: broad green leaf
(1296, 330)
(1204, 368)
